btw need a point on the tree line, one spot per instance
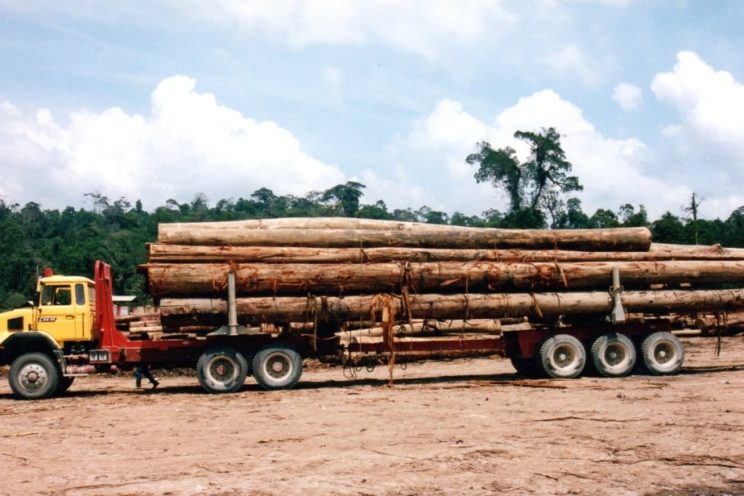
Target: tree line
(539, 190)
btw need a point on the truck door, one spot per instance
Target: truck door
(57, 312)
(83, 314)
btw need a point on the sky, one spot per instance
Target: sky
(158, 100)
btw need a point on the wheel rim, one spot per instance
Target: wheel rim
(33, 377)
(615, 354)
(278, 366)
(563, 356)
(222, 370)
(664, 352)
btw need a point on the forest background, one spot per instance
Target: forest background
(116, 231)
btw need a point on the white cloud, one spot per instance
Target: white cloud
(611, 170)
(572, 62)
(189, 144)
(710, 102)
(628, 96)
(709, 139)
(422, 27)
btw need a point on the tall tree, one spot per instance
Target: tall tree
(346, 197)
(535, 186)
(692, 209)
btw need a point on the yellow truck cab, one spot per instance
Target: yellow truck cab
(63, 310)
(60, 322)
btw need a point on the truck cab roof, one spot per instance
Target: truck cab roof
(65, 279)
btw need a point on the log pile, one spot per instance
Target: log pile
(711, 324)
(140, 326)
(328, 271)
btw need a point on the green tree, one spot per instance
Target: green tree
(668, 229)
(345, 197)
(426, 214)
(377, 211)
(405, 214)
(604, 218)
(734, 234)
(534, 187)
(630, 218)
(460, 219)
(572, 217)
(266, 204)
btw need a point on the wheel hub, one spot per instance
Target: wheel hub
(614, 356)
(563, 357)
(663, 353)
(33, 377)
(222, 369)
(278, 366)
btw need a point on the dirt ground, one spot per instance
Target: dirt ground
(462, 427)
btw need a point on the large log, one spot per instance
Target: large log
(697, 251)
(170, 229)
(419, 326)
(339, 279)
(621, 239)
(165, 253)
(459, 306)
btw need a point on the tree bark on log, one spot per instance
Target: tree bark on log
(459, 306)
(339, 279)
(165, 253)
(619, 239)
(168, 229)
(697, 250)
(438, 327)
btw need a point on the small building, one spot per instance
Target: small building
(123, 304)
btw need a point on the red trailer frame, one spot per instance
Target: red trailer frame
(116, 349)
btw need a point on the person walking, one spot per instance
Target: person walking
(144, 371)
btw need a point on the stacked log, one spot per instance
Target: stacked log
(332, 270)
(140, 326)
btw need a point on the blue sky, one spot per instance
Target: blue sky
(157, 100)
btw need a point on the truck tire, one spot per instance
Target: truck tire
(277, 367)
(562, 357)
(221, 370)
(64, 384)
(33, 376)
(524, 366)
(663, 353)
(613, 355)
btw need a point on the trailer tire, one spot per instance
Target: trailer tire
(33, 376)
(562, 357)
(63, 385)
(663, 353)
(277, 367)
(524, 366)
(613, 355)
(221, 370)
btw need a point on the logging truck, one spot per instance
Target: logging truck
(266, 328)
(70, 331)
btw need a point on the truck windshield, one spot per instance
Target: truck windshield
(56, 295)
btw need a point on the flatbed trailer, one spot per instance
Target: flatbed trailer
(45, 359)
